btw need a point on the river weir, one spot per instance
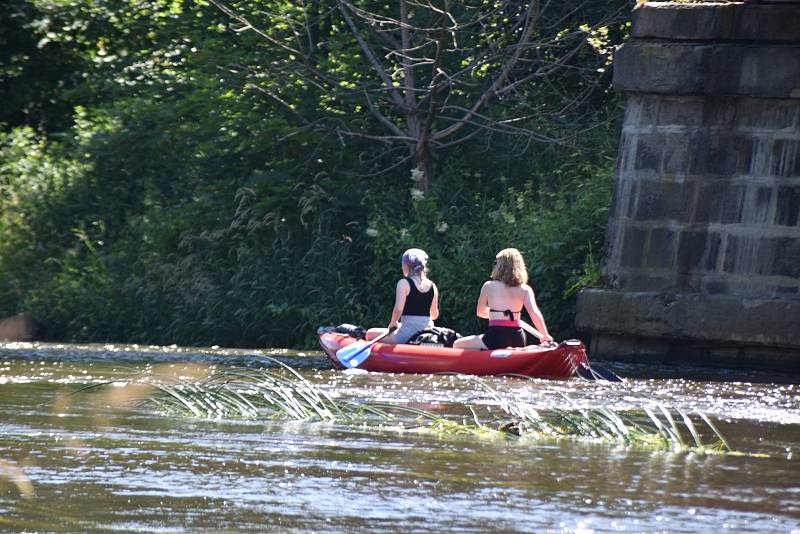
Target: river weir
(88, 461)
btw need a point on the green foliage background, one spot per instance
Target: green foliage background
(149, 194)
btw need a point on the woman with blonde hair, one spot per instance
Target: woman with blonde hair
(501, 301)
(416, 302)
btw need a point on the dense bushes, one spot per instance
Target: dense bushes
(183, 206)
(265, 265)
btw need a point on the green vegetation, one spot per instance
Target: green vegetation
(283, 393)
(166, 180)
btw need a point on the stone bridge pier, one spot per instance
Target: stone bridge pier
(702, 258)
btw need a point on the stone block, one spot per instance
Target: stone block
(756, 357)
(656, 351)
(680, 111)
(759, 70)
(787, 210)
(715, 287)
(720, 111)
(663, 200)
(685, 282)
(632, 193)
(646, 112)
(691, 250)
(786, 262)
(732, 205)
(720, 154)
(719, 202)
(660, 248)
(785, 160)
(623, 199)
(628, 348)
(757, 205)
(749, 254)
(643, 280)
(761, 157)
(675, 158)
(767, 114)
(701, 354)
(732, 245)
(712, 252)
(649, 148)
(698, 21)
(627, 155)
(740, 154)
(724, 318)
(633, 246)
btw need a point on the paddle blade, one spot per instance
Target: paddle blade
(596, 372)
(605, 374)
(354, 354)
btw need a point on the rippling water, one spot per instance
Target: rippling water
(70, 463)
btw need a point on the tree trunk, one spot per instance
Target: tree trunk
(422, 160)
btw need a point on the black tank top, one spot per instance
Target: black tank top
(418, 303)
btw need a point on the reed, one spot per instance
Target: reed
(649, 428)
(283, 393)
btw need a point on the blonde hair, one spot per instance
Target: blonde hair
(510, 268)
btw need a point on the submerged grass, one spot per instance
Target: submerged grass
(283, 393)
(603, 424)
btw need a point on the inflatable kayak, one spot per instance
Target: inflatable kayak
(552, 361)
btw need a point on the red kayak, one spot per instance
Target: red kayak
(553, 361)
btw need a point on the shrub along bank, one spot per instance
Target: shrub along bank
(252, 266)
(159, 198)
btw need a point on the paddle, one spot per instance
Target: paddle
(355, 353)
(531, 330)
(595, 372)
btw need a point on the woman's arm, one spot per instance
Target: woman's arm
(435, 303)
(482, 310)
(400, 294)
(536, 314)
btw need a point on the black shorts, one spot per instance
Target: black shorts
(499, 337)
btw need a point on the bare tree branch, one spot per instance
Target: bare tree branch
(438, 73)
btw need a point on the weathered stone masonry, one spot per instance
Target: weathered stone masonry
(703, 245)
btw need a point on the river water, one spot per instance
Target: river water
(76, 462)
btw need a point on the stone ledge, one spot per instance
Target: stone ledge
(690, 316)
(767, 71)
(658, 351)
(698, 22)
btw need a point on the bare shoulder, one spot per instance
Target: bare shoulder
(403, 284)
(527, 289)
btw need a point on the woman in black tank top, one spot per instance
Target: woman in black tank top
(416, 302)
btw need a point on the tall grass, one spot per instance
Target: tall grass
(647, 428)
(282, 393)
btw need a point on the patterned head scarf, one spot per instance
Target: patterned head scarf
(415, 258)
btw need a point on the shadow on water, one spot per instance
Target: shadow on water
(84, 463)
(698, 373)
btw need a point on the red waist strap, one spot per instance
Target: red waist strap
(504, 322)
